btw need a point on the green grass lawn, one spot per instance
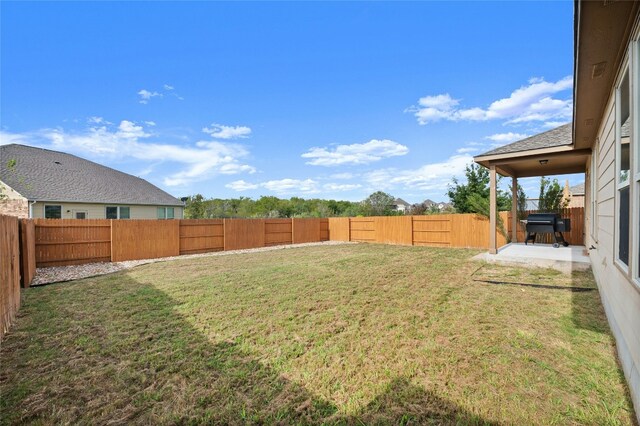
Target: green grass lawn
(348, 334)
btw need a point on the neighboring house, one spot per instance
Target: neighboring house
(575, 195)
(401, 206)
(41, 183)
(441, 206)
(604, 143)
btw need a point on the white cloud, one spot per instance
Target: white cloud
(7, 138)
(220, 131)
(507, 137)
(532, 102)
(150, 123)
(466, 150)
(130, 140)
(553, 124)
(291, 186)
(358, 153)
(97, 120)
(341, 187)
(241, 185)
(430, 177)
(145, 95)
(168, 87)
(342, 176)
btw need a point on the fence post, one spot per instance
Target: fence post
(111, 234)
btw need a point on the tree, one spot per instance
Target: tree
(551, 197)
(477, 185)
(11, 166)
(522, 202)
(194, 207)
(480, 205)
(378, 204)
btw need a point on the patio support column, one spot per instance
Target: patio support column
(514, 209)
(493, 244)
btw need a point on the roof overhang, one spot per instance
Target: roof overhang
(538, 162)
(602, 31)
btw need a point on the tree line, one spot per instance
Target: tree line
(471, 196)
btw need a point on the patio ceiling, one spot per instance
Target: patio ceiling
(538, 162)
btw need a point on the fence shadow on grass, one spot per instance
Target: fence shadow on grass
(116, 351)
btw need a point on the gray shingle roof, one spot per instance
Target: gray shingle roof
(551, 138)
(577, 189)
(45, 175)
(400, 201)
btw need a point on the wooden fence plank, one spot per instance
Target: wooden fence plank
(144, 239)
(278, 232)
(27, 251)
(244, 233)
(362, 229)
(60, 242)
(201, 235)
(433, 231)
(339, 229)
(394, 229)
(324, 229)
(9, 271)
(306, 230)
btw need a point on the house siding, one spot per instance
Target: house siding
(98, 211)
(620, 296)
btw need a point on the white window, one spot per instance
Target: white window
(118, 212)
(623, 159)
(166, 213)
(52, 212)
(80, 214)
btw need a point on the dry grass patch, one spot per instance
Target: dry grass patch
(338, 335)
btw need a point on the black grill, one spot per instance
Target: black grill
(547, 223)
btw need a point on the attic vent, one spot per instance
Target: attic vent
(57, 162)
(598, 69)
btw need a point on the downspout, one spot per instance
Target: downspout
(31, 208)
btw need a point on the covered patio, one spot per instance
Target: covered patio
(545, 154)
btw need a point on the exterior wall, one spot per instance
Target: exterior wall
(9, 192)
(98, 211)
(620, 296)
(13, 204)
(17, 207)
(576, 201)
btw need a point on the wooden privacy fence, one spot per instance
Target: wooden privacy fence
(69, 241)
(59, 242)
(445, 230)
(9, 271)
(574, 237)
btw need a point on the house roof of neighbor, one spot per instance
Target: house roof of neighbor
(577, 189)
(559, 136)
(400, 202)
(45, 175)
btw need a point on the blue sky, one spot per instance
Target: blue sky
(330, 100)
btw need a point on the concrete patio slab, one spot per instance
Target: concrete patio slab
(564, 259)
